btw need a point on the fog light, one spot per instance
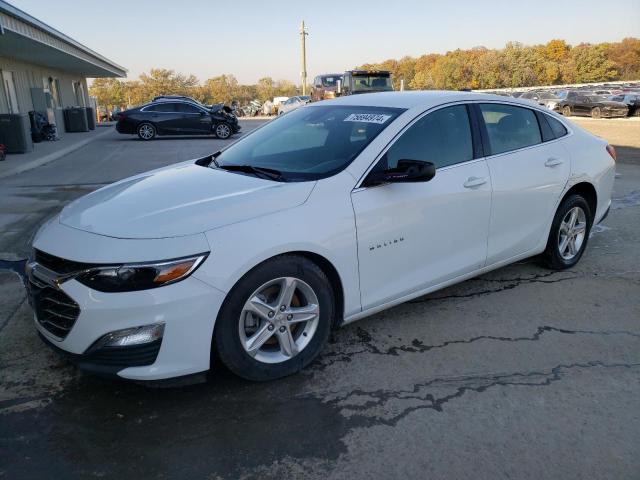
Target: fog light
(131, 336)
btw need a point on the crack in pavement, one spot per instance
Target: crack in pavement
(476, 384)
(510, 284)
(417, 346)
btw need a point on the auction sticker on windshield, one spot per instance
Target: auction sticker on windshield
(367, 118)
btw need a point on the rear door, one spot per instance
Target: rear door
(163, 115)
(527, 175)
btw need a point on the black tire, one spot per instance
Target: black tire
(596, 112)
(222, 130)
(552, 258)
(146, 131)
(226, 340)
(566, 111)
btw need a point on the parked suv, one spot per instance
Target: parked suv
(177, 117)
(365, 81)
(325, 86)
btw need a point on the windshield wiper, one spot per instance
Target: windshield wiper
(269, 173)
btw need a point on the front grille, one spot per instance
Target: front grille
(60, 265)
(55, 310)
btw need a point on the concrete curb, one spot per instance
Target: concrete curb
(38, 162)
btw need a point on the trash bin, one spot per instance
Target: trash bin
(75, 119)
(15, 132)
(91, 118)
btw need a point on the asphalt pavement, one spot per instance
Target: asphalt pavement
(521, 373)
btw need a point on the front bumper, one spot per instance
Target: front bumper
(109, 361)
(187, 309)
(614, 113)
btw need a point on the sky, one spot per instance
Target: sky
(252, 38)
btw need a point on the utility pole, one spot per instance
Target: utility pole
(303, 74)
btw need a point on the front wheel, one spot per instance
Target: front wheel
(566, 111)
(596, 112)
(275, 320)
(569, 234)
(222, 131)
(146, 131)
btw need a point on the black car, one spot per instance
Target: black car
(177, 117)
(579, 104)
(631, 100)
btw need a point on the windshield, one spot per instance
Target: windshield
(311, 142)
(371, 82)
(548, 96)
(330, 81)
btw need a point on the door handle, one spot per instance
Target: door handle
(552, 162)
(473, 182)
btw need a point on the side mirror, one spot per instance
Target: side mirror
(407, 171)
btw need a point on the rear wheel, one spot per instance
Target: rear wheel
(566, 111)
(275, 320)
(222, 130)
(569, 234)
(146, 131)
(596, 112)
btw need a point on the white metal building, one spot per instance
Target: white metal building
(41, 68)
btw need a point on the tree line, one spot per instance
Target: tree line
(224, 88)
(516, 65)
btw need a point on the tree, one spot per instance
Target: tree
(626, 57)
(108, 92)
(160, 81)
(590, 64)
(220, 89)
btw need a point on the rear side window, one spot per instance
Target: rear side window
(509, 127)
(442, 137)
(558, 128)
(186, 108)
(161, 107)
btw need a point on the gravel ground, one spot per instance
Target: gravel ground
(622, 133)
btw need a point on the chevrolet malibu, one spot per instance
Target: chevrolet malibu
(331, 213)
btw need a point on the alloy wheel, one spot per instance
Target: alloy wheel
(572, 232)
(223, 131)
(146, 132)
(279, 320)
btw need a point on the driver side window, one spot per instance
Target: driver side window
(442, 138)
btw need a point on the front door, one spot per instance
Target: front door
(415, 235)
(193, 120)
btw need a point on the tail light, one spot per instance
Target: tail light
(612, 151)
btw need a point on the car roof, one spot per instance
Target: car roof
(414, 99)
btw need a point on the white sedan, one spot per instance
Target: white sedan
(331, 213)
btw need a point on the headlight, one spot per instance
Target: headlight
(140, 276)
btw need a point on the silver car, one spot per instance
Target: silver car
(293, 103)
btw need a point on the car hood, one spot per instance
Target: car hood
(184, 199)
